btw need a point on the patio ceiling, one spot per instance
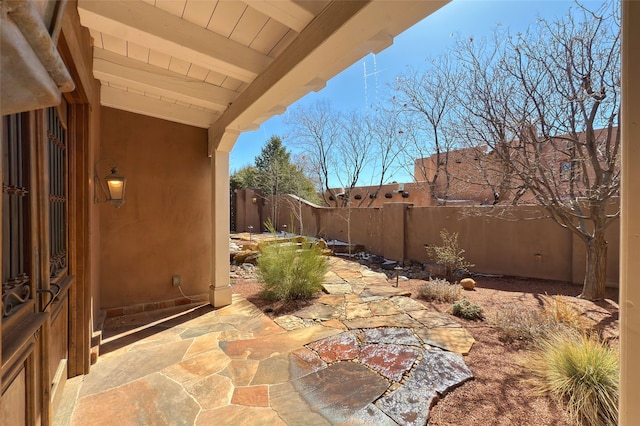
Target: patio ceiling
(230, 65)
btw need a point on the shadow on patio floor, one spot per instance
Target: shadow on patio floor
(363, 353)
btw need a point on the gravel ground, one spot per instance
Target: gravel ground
(499, 394)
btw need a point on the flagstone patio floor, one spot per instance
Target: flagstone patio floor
(364, 353)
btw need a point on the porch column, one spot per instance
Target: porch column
(220, 289)
(629, 225)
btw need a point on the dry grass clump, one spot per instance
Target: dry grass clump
(528, 326)
(581, 371)
(439, 290)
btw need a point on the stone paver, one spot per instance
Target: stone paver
(363, 353)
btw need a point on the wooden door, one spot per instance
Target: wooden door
(36, 279)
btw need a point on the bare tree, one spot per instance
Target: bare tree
(346, 149)
(423, 101)
(547, 105)
(389, 142)
(314, 131)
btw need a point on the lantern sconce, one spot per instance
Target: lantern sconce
(115, 185)
(254, 200)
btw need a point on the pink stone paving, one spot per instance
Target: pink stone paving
(343, 346)
(392, 361)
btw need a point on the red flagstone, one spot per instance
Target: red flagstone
(255, 396)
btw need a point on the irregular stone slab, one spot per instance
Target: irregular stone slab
(384, 307)
(291, 407)
(442, 370)
(192, 332)
(272, 370)
(343, 346)
(408, 405)
(318, 311)
(340, 389)
(432, 319)
(334, 323)
(332, 278)
(407, 304)
(304, 361)
(392, 361)
(239, 307)
(437, 372)
(211, 392)
(116, 371)
(353, 298)
(390, 335)
(241, 371)
(198, 366)
(384, 291)
(357, 310)
(369, 415)
(331, 299)
(239, 415)
(204, 343)
(289, 322)
(265, 347)
(400, 320)
(255, 396)
(377, 280)
(158, 400)
(235, 335)
(335, 288)
(449, 338)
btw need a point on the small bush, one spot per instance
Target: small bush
(559, 311)
(515, 324)
(581, 371)
(466, 309)
(449, 255)
(289, 272)
(529, 326)
(439, 290)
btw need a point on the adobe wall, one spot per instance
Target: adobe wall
(519, 243)
(164, 228)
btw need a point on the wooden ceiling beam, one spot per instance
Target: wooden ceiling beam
(149, 26)
(139, 104)
(114, 68)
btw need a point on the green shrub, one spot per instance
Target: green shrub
(439, 290)
(449, 255)
(466, 309)
(289, 272)
(581, 371)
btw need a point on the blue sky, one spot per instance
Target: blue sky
(428, 38)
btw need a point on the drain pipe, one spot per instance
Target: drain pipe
(27, 19)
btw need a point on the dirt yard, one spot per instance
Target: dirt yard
(499, 394)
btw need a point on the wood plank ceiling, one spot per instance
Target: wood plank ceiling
(189, 60)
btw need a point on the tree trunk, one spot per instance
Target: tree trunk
(596, 272)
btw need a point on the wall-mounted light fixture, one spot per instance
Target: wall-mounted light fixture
(254, 200)
(115, 185)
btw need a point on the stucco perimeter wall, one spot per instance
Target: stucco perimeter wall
(514, 243)
(536, 248)
(164, 228)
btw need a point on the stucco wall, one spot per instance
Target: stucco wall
(164, 228)
(514, 243)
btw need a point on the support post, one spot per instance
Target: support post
(629, 225)
(220, 289)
